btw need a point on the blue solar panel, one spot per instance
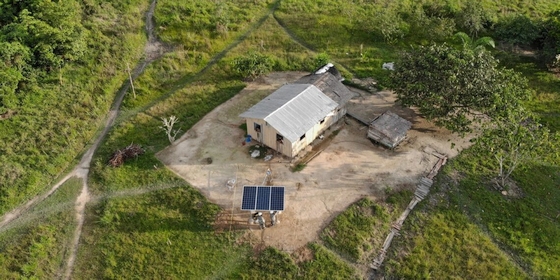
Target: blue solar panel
(277, 199)
(249, 198)
(262, 198)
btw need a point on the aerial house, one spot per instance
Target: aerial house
(289, 119)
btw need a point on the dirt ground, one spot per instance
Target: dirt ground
(349, 167)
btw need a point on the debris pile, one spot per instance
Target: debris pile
(119, 156)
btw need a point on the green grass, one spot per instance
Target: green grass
(484, 224)
(445, 243)
(274, 264)
(271, 263)
(166, 233)
(527, 225)
(61, 109)
(299, 167)
(546, 85)
(358, 231)
(37, 244)
(326, 265)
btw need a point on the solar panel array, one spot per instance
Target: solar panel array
(262, 198)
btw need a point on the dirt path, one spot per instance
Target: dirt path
(153, 50)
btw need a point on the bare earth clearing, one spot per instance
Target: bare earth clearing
(349, 167)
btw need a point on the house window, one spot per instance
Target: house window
(279, 139)
(322, 121)
(302, 137)
(257, 127)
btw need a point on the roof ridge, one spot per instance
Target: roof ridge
(292, 99)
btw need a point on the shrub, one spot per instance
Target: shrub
(252, 65)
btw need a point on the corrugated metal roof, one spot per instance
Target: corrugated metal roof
(391, 125)
(329, 85)
(293, 109)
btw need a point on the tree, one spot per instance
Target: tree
(13, 59)
(551, 40)
(252, 65)
(52, 30)
(472, 18)
(167, 126)
(518, 30)
(516, 140)
(456, 87)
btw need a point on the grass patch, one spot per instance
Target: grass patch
(527, 225)
(399, 199)
(298, 167)
(326, 265)
(243, 127)
(546, 100)
(445, 242)
(358, 230)
(166, 233)
(272, 263)
(36, 245)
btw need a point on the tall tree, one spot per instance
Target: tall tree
(551, 40)
(455, 87)
(51, 30)
(472, 18)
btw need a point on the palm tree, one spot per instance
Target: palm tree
(468, 43)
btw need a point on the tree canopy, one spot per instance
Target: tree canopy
(455, 87)
(36, 36)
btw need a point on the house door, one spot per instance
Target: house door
(279, 143)
(259, 132)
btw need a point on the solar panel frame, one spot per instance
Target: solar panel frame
(263, 198)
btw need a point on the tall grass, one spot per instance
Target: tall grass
(167, 233)
(36, 245)
(444, 243)
(358, 231)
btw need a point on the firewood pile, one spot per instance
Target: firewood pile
(120, 156)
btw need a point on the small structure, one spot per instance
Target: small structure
(388, 129)
(289, 119)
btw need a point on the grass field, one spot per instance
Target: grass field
(144, 221)
(37, 246)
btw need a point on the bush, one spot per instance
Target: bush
(252, 65)
(517, 30)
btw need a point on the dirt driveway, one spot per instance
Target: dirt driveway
(349, 167)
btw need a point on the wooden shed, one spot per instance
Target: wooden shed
(388, 129)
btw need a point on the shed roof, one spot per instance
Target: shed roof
(293, 109)
(330, 85)
(391, 126)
